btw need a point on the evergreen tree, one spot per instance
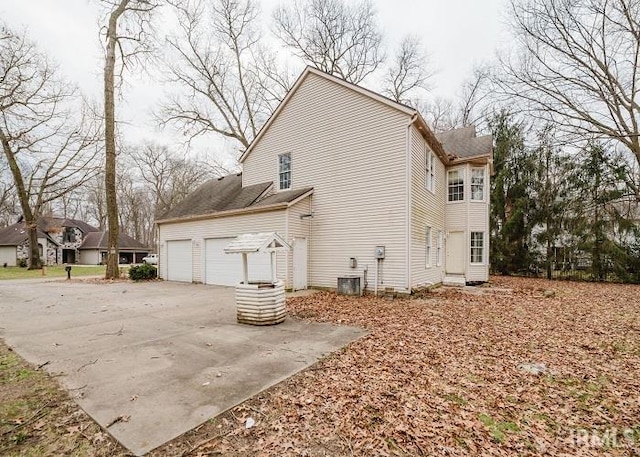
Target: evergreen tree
(511, 205)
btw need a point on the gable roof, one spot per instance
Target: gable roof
(99, 240)
(15, 234)
(227, 194)
(415, 116)
(463, 143)
(49, 223)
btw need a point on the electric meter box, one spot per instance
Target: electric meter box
(379, 252)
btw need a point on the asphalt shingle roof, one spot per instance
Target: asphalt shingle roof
(99, 240)
(227, 193)
(463, 142)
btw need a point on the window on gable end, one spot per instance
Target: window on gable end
(284, 171)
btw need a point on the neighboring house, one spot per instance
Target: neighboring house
(60, 241)
(94, 249)
(338, 171)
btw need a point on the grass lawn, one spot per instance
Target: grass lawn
(52, 272)
(447, 373)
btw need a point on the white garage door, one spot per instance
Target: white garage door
(8, 255)
(226, 269)
(179, 263)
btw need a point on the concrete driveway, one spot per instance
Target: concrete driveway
(166, 356)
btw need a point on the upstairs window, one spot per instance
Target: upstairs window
(455, 185)
(477, 184)
(430, 170)
(69, 235)
(284, 171)
(477, 247)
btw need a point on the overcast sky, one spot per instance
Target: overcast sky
(457, 34)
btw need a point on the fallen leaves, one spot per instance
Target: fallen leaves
(444, 375)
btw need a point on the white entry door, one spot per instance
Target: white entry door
(300, 263)
(179, 261)
(456, 253)
(226, 269)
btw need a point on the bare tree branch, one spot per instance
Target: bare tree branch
(339, 37)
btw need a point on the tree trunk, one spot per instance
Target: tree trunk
(30, 219)
(110, 142)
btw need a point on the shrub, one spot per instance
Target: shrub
(22, 263)
(143, 272)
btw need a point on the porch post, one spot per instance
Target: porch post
(245, 268)
(273, 267)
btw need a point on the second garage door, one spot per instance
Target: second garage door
(226, 269)
(179, 261)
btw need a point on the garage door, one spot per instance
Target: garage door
(8, 255)
(226, 269)
(179, 263)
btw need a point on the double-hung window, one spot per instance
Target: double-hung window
(455, 185)
(284, 171)
(477, 184)
(428, 247)
(477, 247)
(430, 170)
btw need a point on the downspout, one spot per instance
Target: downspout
(408, 202)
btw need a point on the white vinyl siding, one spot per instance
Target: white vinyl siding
(477, 184)
(352, 150)
(455, 185)
(477, 247)
(439, 248)
(427, 208)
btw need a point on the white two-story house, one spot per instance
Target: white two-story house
(356, 183)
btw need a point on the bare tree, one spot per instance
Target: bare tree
(48, 143)
(227, 82)
(127, 38)
(169, 176)
(577, 66)
(336, 36)
(409, 71)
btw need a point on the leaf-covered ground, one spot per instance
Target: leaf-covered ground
(442, 375)
(39, 418)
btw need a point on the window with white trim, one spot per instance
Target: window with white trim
(477, 184)
(455, 185)
(284, 171)
(428, 247)
(430, 170)
(439, 248)
(477, 247)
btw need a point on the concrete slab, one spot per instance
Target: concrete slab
(168, 356)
